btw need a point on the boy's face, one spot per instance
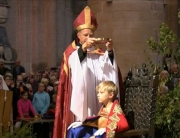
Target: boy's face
(104, 96)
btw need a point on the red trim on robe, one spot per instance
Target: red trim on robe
(116, 121)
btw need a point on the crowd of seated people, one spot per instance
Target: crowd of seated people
(38, 88)
(169, 79)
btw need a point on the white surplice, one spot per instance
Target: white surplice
(85, 76)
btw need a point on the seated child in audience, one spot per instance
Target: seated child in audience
(41, 100)
(109, 120)
(24, 107)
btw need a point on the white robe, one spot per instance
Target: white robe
(85, 76)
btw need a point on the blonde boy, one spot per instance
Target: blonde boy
(109, 120)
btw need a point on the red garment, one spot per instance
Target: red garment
(86, 19)
(24, 108)
(63, 116)
(116, 121)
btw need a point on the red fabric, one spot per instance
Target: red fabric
(63, 115)
(116, 120)
(119, 125)
(80, 20)
(123, 125)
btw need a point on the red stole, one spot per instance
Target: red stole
(116, 121)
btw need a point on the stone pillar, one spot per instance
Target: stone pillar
(64, 27)
(6, 52)
(39, 31)
(172, 15)
(67, 12)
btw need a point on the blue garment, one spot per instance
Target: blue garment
(41, 102)
(83, 132)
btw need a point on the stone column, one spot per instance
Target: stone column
(64, 27)
(39, 31)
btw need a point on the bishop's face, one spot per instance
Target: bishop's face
(84, 34)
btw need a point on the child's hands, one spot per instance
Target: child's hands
(74, 125)
(100, 131)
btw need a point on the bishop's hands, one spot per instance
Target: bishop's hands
(89, 42)
(74, 125)
(109, 45)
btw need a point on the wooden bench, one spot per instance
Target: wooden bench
(136, 132)
(33, 121)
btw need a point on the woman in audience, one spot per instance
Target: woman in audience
(9, 81)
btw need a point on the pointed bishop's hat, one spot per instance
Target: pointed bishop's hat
(85, 20)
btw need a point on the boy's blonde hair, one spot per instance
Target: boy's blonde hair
(109, 86)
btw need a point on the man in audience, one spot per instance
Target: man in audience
(17, 69)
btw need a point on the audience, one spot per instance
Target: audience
(39, 87)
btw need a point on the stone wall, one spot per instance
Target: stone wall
(40, 30)
(129, 23)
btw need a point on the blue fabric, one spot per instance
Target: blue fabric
(41, 102)
(83, 132)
